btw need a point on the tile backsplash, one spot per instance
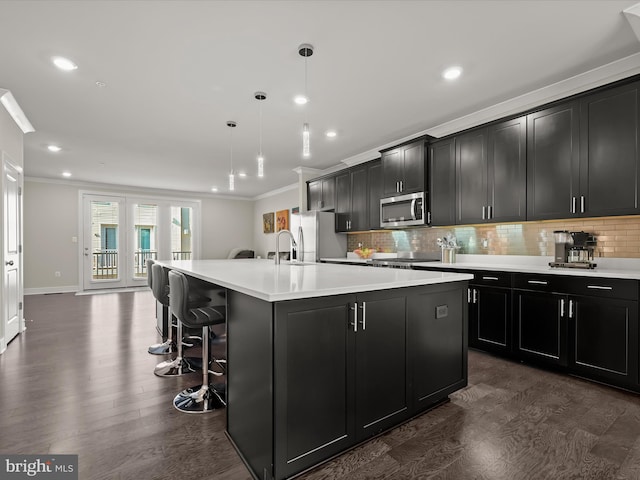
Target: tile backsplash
(616, 237)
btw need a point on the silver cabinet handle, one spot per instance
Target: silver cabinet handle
(364, 316)
(490, 278)
(483, 211)
(573, 205)
(475, 296)
(468, 295)
(570, 308)
(599, 287)
(401, 185)
(355, 316)
(581, 203)
(562, 308)
(538, 282)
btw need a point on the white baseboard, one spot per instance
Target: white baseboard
(45, 290)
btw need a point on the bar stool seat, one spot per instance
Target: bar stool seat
(160, 293)
(205, 397)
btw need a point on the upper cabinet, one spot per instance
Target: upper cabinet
(374, 189)
(609, 173)
(403, 168)
(583, 156)
(351, 209)
(321, 194)
(491, 173)
(442, 182)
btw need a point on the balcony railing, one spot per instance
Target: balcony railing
(105, 263)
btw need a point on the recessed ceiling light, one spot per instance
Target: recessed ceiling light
(66, 174)
(452, 73)
(64, 64)
(53, 148)
(100, 84)
(331, 133)
(214, 189)
(301, 99)
(242, 174)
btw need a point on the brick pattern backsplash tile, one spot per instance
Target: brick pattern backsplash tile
(616, 237)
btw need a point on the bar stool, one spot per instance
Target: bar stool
(179, 365)
(169, 345)
(205, 397)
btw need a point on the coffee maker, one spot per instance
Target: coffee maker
(573, 249)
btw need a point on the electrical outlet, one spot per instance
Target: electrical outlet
(57, 274)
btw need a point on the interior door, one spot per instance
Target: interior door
(104, 244)
(12, 285)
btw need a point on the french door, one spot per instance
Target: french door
(120, 233)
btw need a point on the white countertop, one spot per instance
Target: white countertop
(607, 267)
(263, 279)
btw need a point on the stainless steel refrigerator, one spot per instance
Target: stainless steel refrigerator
(320, 239)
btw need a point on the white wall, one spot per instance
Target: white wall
(51, 220)
(286, 198)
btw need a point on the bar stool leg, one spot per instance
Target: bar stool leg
(202, 398)
(167, 347)
(178, 366)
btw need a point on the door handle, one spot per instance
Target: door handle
(483, 211)
(475, 296)
(363, 322)
(537, 282)
(10, 263)
(562, 308)
(573, 205)
(355, 316)
(581, 203)
(570, 308)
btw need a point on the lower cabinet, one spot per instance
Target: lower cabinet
(490, 318)
(348, 367)
(541, 326)
(605, 333)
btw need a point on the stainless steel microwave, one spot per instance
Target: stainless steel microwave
(403, 210)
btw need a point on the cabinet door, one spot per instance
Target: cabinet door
(359, 213)
(381, 358)
(490, 319)
(605, 333)
(507, 174)
(609, 173)
(314, 195)
(437, 344)
(313, 375)
(413, 168)
(343, 202)
(541, 322)
(442, 182)
(328, 193)
(471, 177)
(374, 185)
(552, 162)
(392, 170)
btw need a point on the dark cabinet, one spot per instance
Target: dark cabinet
(403, 168)
(314, 373)
(609, 173)
(442, 182)
(491, 173)
(437, 344)
(374, 188)
(489, 299)
(381, 362)
(321, 194)
(552, 162)
(352, 200)
(541, 326)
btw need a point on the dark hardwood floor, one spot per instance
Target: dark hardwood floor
(80, 381)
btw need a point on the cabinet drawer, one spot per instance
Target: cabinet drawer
(493, 279)
(605, 287)
(542, 283)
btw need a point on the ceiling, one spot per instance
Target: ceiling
(176, 71)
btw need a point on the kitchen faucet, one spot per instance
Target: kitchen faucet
(293, 244)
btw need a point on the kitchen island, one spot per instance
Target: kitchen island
(323, 357)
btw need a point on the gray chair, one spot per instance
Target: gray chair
(179, 365)
(205, 397)
(168, 346)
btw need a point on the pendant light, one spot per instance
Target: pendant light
(260, 96)
(232, 176)
(305, 50)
